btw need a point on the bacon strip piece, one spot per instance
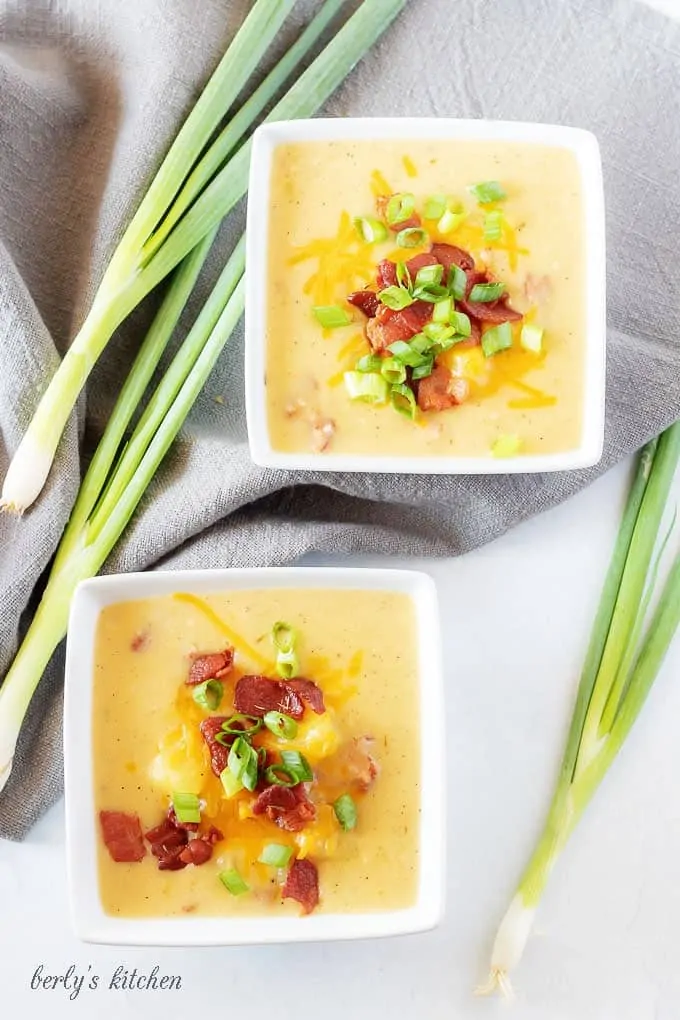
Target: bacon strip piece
(219, 754)
(302, 884)
(287, 806)
(366, 301)
(212, 666)
(122, 834)
(390, 326)
(309, 693)
(257, 695)
(490, 312)
(441, 390)
(387, 274)
(450, 255)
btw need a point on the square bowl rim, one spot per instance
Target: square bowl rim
(581, 142)
(90, 922)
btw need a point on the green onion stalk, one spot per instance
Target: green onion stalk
(623, 659)
(201, 179)
(121, 471)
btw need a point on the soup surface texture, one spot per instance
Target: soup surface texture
(360, 649)
(519, 393)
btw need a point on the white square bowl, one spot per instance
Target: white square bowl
(90, 921)
(585, 148)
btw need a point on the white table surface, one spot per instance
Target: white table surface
(516, 618)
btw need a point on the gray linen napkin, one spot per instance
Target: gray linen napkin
(91, 91)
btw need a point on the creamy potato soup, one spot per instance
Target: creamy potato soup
(257, 752)
(425, 298)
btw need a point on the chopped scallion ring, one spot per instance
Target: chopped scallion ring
(506, 446)
(493, 225)
(404, 276)
(284, 638)
(243, 763)
(412, 237)
(496, 339)
(370, 230)
(407, 354)
(281, 775)
(531, 338)
(187, 808)
(461, 323)
(280, 725)
(369, 363)
(396, 298)
(403, 400)
(368, 386)
(208, 694)
(435, 207)
(431, 292)
(451, 218)
(230, 784)
(443, 309)
(488, 191)
(457, 283)
(485, 292)
(424, 369)
(428, 275)
(298, 764)
(400, 208)
(233, 883)
(346, 812)
(437, 332)
(332, 316)
(242, 725)
(276, 855)
(393, 371)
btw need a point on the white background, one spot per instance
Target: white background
(516, 617)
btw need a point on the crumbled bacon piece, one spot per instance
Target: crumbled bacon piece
(196, 852)
(387, 274)
(323, 430)
(257, 695)
(219, 754)
(366, 301)
(362, 767)
(166, 837)
(390, 326)
(309, 693)
(122, 834)
(172, 818)
(172, 860)
(450, 255)
(490, 312)
(302, 884)
(441, 390)
(140, 641)
(212, 835)
(212, 666)
(287, 806)
(421, 261)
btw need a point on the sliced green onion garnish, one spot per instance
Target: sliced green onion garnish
(187, 807)
(488, 191)
(437, 332)
(499, 338)
(485, 292)
(420, 343)
(280, 725)
(400, 207)
(405, 353)
(403, 400)
(230, 783)
(424, 369)
(281, 775)
(429, 274)
(285, 638)
(393, 371)
(332, 316)
(435, 207)
(461, 323)
(241, 725)
(443, 309)
(395, 298)
(346, 812)
(243, 762)
(457, 283)
(531, 338)
(233, 883)
(370, 230)
(493, 225)
(369, 363)
(368, 386)
(276, 855)
(506, 446)
(208, 694)
(432, 292)
(298, 764)
(404, 276)
(412, 237)
(452, 218)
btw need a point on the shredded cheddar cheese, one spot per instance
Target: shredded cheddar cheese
(379, 185)
(409, 166)
(344, 263)
(239, 643)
